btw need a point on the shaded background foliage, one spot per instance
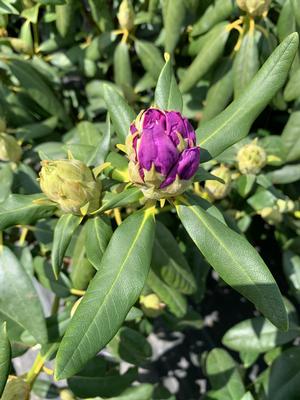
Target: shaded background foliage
(64, 67)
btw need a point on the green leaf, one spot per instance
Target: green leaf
(37, 130)
(236, 261)
(63, 232)
(291, 138)
(220, 90)
(291, 268)
(20, 209)
(175, 301)
(18, 298)
(120, 112)
(110, 295)
(284, 378)
(36, 87)
(167, 94)
(209, 54)
(235, 121)
(246, 63)
(7, 8)
(170, 263)
(285, 175)
(6, 180)
(122, 67)
(224, 376)
(98, 234)
(248, 358)
(286, 23)
(258, 335)
(150, 57)
(217, 12)
(174, 17)
(247, 396)
(101, 14)
(64, 17)
(130, 346)
(143, 391)
(122, 199)
(5, 355)
(292, 89)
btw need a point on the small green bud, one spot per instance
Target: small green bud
(271, 214)
(10, 150)
(126, 15)
(152, 305)
(251, 158)
(218, 190)
(70, 184)
(254, 7)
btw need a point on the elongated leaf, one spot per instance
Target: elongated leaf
(125, 198)
(291, 267)
(224, 376)
(150, 57)
(101, 14)
(209, 54)
(6, 180)
(37, 88)
(122, 67)
(170, 263)
(235, 260)
(291, 138)
(220, 91)
(120, 112)
(63, 232)
(246, 63)
(215, 13)
(175, 301)
(284, 175)
(259, 335)
(20, 209)
(292, 89)
(286, 22)
(110, 295)
(64, 17)
(5, 355)
(235, 121)
(173, 21)
(18, 298)
(98, 234)
(167, 93)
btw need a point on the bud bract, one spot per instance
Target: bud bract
(70, 184)
(251, 158)
(151, 305)
(216, 189)
(254, 7)
(163, 154)
(126, 15)
(10, 150)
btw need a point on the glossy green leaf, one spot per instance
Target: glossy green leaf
(122, 67)
(18, 298)
(286, 23)
(21, 209)
(220, 90)
(64, 17)
(291, 138)
(236, 261)
(248, 357)
(98, 234)
(6, 180)
(246, 63)
(224, 376)
(120, 112)
(217, 12)
(63, 232)
(150, 57)
(130, 346)
(259, 335)
(209, 54)
(284, 175)
(110, 295)
(5, 355)
(36, 87)
(174, 300)
(284, 378)
(173, 21)
(122, 199)
(292, 89)
(169, 262)
(235, 121)
(247, 396)
(167, 94)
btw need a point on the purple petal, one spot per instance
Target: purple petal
(154, 117)
(188, 163)
(156, 147)
(176, 123)
(132, 128)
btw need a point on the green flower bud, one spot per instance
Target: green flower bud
(218, 190)
(251, 158)
(10, 150)
(126, 15)
(254, 7)
(70, 184)
(152, 305)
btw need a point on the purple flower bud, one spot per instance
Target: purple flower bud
(163, 154)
